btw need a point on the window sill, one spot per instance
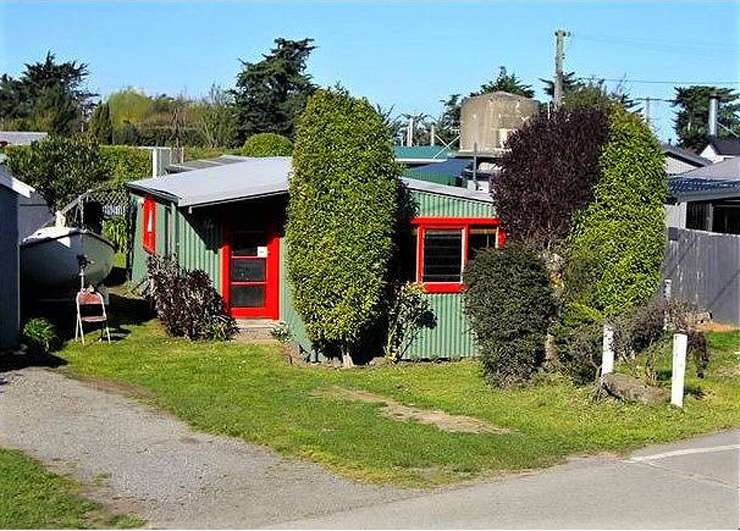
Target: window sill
(443, 287)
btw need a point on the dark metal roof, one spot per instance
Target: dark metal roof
(447, 172)
(696, 189)
(685, 155)
(725, 146)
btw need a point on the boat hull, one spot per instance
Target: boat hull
(49, 258)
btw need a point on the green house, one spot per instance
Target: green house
(228, 219)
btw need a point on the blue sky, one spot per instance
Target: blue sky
(406, 54)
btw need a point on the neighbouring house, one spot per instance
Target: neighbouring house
(707, 198)
(719, 149)
(11, 189)
(679, 160)
(703, 254)
(228, 219)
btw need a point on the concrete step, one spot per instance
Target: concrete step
(255, 329)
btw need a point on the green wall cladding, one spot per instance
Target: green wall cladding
(198, 241)
(436, 205)
(199, 237)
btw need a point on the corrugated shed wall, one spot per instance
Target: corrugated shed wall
(198, 240)
(451, 337)
(435, 205)
(288, 314)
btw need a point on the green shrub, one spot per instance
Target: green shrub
(187, 303)
(616, 250)
(40, 336)
(341, 220)
(408, 312)
(127, 163)
(510, 305)
(267, 145)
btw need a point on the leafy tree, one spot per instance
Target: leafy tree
(590, 93)
(59, 168)
(100, 126)
(215, 118)
(510, 306)
(47, 96)
(448, 123)
(616, 250)
(341, 220)
(267, 145)
(507, 83)
(129, 106)
(549, 174)
(692, 117)
(271, 94)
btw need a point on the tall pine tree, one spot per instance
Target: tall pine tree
(271, 94)
(692, 116)
(100, 126)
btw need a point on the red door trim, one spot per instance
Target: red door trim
(271, 310)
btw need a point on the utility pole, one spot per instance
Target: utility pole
(560, 36)
(647, 112)
(410, 132)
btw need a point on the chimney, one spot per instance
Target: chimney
(713, 105)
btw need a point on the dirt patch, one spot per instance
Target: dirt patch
(111, 386)
(396, 411)
(710, 326)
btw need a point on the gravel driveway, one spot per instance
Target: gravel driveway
(136, 459)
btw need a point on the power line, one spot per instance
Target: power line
(651, 81)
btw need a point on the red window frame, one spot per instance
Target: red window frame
(149, 225)
(422, 224)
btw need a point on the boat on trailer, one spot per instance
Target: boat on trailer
(52, 259)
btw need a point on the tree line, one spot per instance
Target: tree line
(269, 95)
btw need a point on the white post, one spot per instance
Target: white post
(667, 286)
(680, 342)
(607, 350)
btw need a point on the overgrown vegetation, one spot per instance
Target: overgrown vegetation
(215, 386)
(32, 498)
(341, 220)
(510, 306)
(187, 304)
(267, 145)
(115, 230)
(616, 250)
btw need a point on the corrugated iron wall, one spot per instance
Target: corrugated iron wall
(198, 240)
(435, 205)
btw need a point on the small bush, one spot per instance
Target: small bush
(267, 145)
(40, 336)
(187, 303)
(115, 230)
(408, 313)
(510, 305)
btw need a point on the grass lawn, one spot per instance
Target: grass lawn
(250, 391)
(32, 498)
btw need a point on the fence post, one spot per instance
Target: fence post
(680, 342)
(667, 284)
(607, 350)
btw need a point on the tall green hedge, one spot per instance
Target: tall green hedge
(341, 217)
(267, 145)
(616, 250)
(127, 163)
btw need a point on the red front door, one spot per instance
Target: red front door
(251, 272)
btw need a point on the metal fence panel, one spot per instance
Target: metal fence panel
(704, 268)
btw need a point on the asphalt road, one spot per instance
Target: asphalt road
(691, 484)
(137, 459)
